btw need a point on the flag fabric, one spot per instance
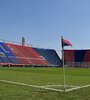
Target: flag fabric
(65, 42)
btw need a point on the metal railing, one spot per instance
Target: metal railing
(13, 42)
(78, 64)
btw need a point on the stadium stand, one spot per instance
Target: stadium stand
(5, 54)
(26, 55)
(12, 54)
(77, 58)
(50, 55)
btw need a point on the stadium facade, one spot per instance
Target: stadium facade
(77, 58)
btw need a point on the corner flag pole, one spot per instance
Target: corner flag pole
(64, 43)
(64, 78)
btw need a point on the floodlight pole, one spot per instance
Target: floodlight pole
(64, 79)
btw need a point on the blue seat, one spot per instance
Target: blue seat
(50, 55)
(8, 57)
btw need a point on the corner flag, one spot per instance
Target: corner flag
(65, 42)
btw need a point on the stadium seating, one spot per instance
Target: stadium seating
(12, 54)
(50, 55)
(6, 55)
(26, 55)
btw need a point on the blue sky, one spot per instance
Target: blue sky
(42, 22)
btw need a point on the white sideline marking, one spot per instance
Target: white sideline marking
(23, 84)
(20, 83)
(78, 87)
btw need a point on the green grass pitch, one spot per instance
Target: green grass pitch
(43, 77)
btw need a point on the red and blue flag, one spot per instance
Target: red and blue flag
(65, 42)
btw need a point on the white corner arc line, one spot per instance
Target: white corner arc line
(78, 87)
(58, 90)
(59, 85)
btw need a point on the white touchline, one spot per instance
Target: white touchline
(20, 83)
(23, 84)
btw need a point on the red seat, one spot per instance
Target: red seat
(26, 55)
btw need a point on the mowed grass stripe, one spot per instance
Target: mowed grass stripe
(46, 76)
(37, 76)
